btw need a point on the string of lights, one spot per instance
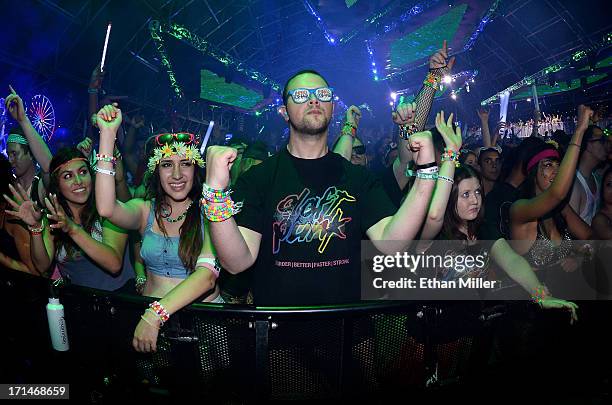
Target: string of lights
(485, 20)
(319, 22)
(529, 80)
(155, 31)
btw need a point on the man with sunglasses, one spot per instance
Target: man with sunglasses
(305, 210)
(587, 187)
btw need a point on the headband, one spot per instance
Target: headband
(175, 148)
(546, 153)
(496, 148)
(70, 161)
(16, 138)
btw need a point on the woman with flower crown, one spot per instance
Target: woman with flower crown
(175, 246)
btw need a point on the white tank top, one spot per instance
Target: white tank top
(590, 208)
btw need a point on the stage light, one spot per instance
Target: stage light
(373, 63)
(391, 103)
(454, 96)
(467, 87)
(393, 95)
(447, 79)
(529, 100)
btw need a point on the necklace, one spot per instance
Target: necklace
(180, 217)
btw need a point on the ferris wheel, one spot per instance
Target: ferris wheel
(42, 115)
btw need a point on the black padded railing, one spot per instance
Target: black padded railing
(242, 354)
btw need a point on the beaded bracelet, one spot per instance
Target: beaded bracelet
(451, 156)
(538, 295)
(349, 129)
(104, 171)
(406, 130)
(160, 311)
(210, 194)
(36, 231)
(447, 179)
(222, 212)
(106, 158)
(432, 80)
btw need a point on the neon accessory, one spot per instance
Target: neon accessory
(545, 154)
(17, 138)
(176, 148)
(160, 311)
(301, 95)
(450, 156)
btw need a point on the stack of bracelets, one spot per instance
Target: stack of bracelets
(451, 156)
(427, 171)
(159, 310)
(221, 212)
(539, 295)
(349, 129)
(36, 231)
(106, 158)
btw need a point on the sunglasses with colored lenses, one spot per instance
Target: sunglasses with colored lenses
(359, 149)
(184, 137)
(300, 96)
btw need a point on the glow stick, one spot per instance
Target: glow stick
(205, 141)
(108, 29)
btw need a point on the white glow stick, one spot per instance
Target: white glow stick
(205, 141)
(105, 46)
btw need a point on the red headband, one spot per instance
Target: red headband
(546, 153)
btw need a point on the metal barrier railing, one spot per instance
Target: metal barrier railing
(255, 354)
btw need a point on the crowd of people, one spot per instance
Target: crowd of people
(240, 226)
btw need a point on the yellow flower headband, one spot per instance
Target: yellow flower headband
(175, 148)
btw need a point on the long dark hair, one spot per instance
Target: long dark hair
(191, 240)
(527, 190)
(452, 222)
(89, 214)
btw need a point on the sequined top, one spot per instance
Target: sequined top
(543, 252)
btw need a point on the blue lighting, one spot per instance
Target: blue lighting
(485, 20)
(320, 22)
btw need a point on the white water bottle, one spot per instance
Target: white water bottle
(57, 325)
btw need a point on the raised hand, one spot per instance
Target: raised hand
(421, 145)
(23, 207)
(109, 118)
(452, 139)
(584, 115)
(14, 104)
(353, 115)
(95, 82)
(404, 114)
(440, 60)
(58, 215)
(483, 115)
(85, 147)
(219, 161)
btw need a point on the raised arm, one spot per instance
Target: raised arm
(403, 115)
(344, 145)
(128, 215)
(407, 221)
(108, 254)
(484, 123)
(444, 184)
(36, 143)
(237, 247)
(524, 211)
(438, 67)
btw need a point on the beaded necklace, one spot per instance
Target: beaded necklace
(180, 217)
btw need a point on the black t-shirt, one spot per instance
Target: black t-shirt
(389, 183)
(496, 223)
(312, 214)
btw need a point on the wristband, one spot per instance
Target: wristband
(429, 170)
(446, 179)
(212, 264)
(36, 231)
(426, 166)
(104, 171)
(145, 319)
(92, 91)
(427, 176)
